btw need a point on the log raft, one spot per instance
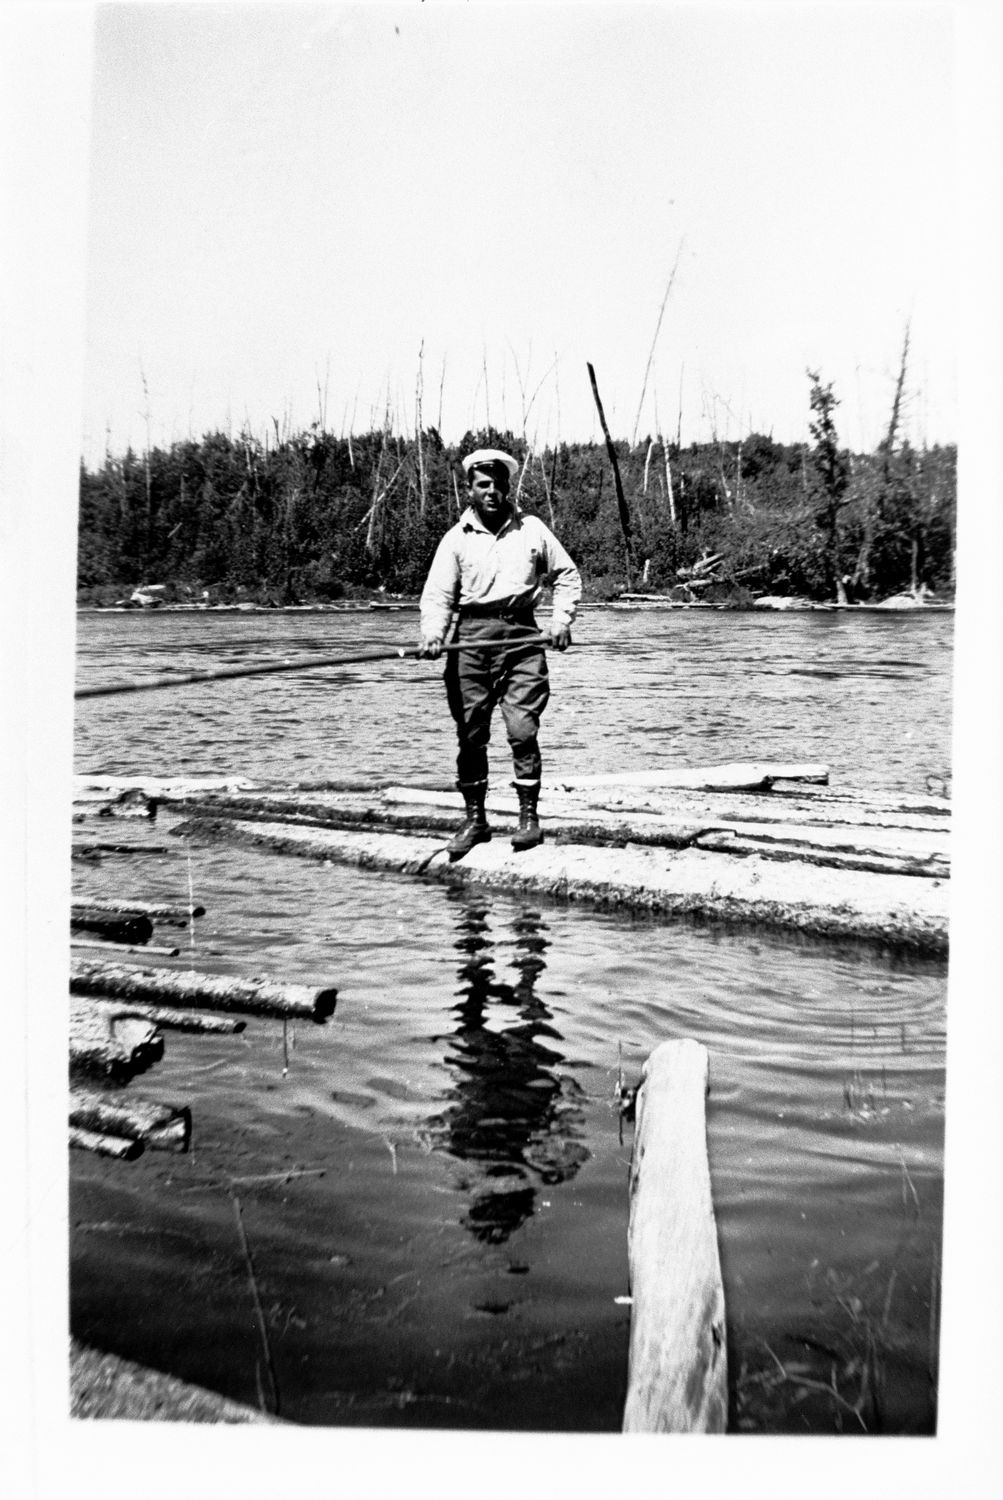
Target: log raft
(903, 907)
(677, 1379)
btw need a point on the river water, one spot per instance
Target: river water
(416, 1214)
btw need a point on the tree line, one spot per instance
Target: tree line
(317, 517)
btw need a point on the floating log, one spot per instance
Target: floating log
(258, 997)
(117, 927)
(105, 1387)
(162, 1127)
(896, 910)
(172, 916)
(105, 1041)
(146, 949)
(122, 1147)
(97, 847)
(677, 1378)
(98, 788)
(185, 1020)
(736, 777)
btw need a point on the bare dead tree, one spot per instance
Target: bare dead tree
(621, 502)
(417, 407)
(654, 341)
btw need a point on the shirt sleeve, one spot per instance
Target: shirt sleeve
(439, 596)
(564, 578)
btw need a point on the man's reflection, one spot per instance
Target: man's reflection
(513, 1112)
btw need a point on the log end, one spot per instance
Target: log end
(175, 1135)
(324, 1004)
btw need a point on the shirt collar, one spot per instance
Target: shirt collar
(471, 521)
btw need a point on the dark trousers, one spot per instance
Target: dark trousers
(512, 678)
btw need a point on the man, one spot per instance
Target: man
(490, 569)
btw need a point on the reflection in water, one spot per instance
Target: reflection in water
(514, 1113)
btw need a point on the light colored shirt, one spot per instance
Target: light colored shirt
(473, 565)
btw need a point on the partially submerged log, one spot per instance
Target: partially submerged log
(159, 787)
(259, 997)
(96, 847)
(894, 909)
(131, 804)
(151, 911)
(184, 1020)
(678, 1371)
(106, 1042)
(123, 1148)
(145, 950)
(117, 927)
(162, 1127)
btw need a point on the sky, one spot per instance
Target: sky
(304, 213)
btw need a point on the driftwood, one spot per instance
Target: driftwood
(677, 1375)
(104, 1040)
(172, 916)
(201, 991)
(124, 1148)
(117, 927)
(898, 910)
(162, 1127)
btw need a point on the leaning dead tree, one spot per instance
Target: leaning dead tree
(624, 513)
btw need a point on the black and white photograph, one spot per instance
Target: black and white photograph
(503, 660)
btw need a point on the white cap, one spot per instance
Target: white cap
(485, 456)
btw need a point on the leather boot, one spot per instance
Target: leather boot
(529, 832)
(474, 828)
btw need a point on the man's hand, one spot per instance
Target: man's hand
(431, 646)
(559, 636)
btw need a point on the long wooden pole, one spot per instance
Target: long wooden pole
(306, 664)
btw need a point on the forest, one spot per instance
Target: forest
(314, 518)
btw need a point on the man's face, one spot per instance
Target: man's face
(488, 492)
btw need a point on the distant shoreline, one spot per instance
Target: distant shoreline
(792, 606)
